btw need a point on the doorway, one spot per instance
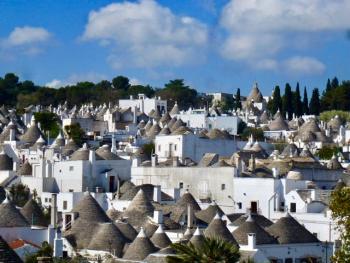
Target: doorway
(111, 183)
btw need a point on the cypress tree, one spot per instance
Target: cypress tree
(315, 102)
(287, 102)
(328, 86)
(276, 103)
(297, 105)
(335, 83)
(305, 102)
(238, 103)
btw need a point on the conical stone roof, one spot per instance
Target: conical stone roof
(255, 94)
(7, 255)
(197, 239)
(160, 238)
(278, 124)
(70, 148)
(32, 134)
(287, 230)
(175, 110)
(217, 229)
(188, 199)
(209, 213)
(250, 226)
(128, 231)
(10, 216)
(25, 169)
(140, 248)
(176, 125)
(172, 122)
(6, 163)
(108, 238)
(105, 152)
(33, 213)
(90, 214)
(165, 118)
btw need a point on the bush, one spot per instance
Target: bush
(328, 115)
(327, 152)
(258, 134)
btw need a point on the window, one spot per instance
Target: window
(239, 204)
(181, 185)
(71, 190)
(254, 207)
(71, 168)
(288, 260)
(223, 186)
(293, 207)
(64, 205)
(159, 148)
(46, 200)
(175, 147)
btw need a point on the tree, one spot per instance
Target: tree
(287, 101)
(340, 207)
(148, 149)
(335, 83)
(305, 102)
(45, 251)
(258, 134)
(297, 104)
(49, 122)
(275, 103)
(75, 132)
(213, 250)
(326, 152)
(315, 102)
(176, 91)
(238, 103)
(121, 83)
(20, 194)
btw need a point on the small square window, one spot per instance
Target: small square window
(181, 185)
(223, 186)
(239, 204)
(71, 168)
(65, 205)
(159, 147)
(46, 200)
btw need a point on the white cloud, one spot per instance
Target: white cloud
(27, 35)
(75, 78)
(146, 34)
(303, 65)
(135, 81)
(262, 29)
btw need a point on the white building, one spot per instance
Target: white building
(144, 104)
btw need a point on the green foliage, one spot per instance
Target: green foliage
(336, 97)
(275, 103)
(241, 127)
(340, 207)
(45, 251)
(121, 83)
(20, 194)
(297, 104)
(328, 115)
(49, 122)
(213, 250)
(258, 134)
(287, 101)
(176, 90)
(305, 103)
(279, 146)
(326, 152)
(315, 102)
(238, 103)
(148, 149)
(75, 132)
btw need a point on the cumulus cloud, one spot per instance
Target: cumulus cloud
(262, 29)
(146, 34)
(75, 78)
(304, 65)
(27, 35)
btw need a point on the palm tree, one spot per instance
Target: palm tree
(213, 250)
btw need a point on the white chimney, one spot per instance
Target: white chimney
(53, 210)
(175, 161)
(157, 194)
(114, 144)
(251, 241)
(136, 162)
(154, 160)
(275, 172)
(58, 244)
(189, 216)
(12, 135)
(158, 216)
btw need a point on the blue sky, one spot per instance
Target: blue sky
(214, 45)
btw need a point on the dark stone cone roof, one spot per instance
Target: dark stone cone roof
(108, 237)
(165, 118)
(250, 226)
(287, 230)
(126, 186)
(33, 213)
(140, 248)
(197, 239)
(32, 134)
(6, 163)
(113, 214)
(25, 169)
(105, 152)
(82, 154)
(188, 199)
(2, 194)
(217, 229)
(7, 255)
(70, 147)
(176, 125)
(160, 238)
(209, 213)
(259, 219)
(150, 228)
(128, 231)
(90, 214)
(10, 216)
(139, 209)
(172, 122)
